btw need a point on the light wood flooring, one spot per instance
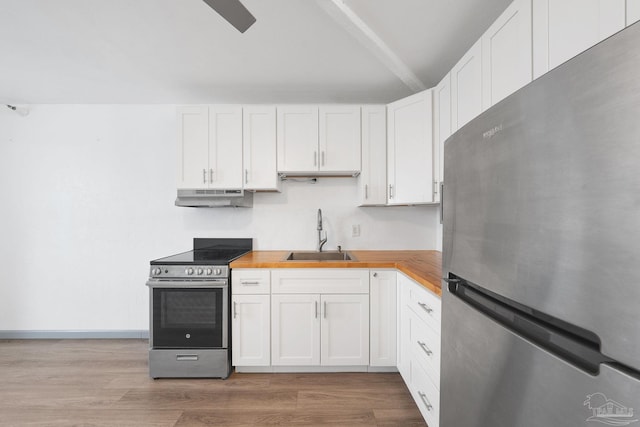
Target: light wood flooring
(106, 383)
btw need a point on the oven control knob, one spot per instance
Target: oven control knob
(218, 272)
(189, 271)
(209, 271)
(156, 272)
(200, 271)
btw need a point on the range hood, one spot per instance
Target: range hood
(214, 199)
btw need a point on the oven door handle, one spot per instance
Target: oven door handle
(213, 283)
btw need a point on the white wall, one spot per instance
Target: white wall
(87, 201)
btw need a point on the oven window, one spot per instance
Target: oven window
(188, 318)
(182, 309)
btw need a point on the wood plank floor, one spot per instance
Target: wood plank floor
(106, 383)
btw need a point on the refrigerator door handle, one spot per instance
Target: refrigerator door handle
(575, 345)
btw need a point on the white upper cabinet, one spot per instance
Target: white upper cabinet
(441, 130)
(225, 146)
(466, 87)
(506, 53)
(210, 147)
(373, 178)
(297, 138)
(322, 140)
(564, 28)
(410, 150)
(259, 148)
(633, 11)
(193, 147)
(339, 135)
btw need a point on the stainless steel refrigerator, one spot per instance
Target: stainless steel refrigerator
(541, 302)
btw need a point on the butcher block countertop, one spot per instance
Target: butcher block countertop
(425, 267)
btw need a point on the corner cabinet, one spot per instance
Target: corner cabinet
(319, 140)
(410, 150)
(383, 318)
(441, 131)
(209, 147)
(372, 182)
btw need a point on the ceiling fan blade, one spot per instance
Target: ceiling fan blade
(234, 12)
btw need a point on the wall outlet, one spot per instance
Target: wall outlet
(355, 230)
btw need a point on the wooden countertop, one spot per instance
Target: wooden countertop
(425, 267)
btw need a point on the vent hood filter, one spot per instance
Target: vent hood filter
(214, 199)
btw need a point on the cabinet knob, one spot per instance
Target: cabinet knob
(375, 274)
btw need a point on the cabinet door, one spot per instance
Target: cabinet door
(404, 329)
(295, 328)
(506, 53)
(564, 28)
(339, 138)
(259, 147)
(633, 11)
(410, 150)
(297, 138)
(383, 327)
(251, 330)
(193, 147)
(466, 87)
(441, 130)
(345, 330)
(225, 146)
(373, 178)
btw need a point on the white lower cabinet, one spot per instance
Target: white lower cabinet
(320, 330)
(295, 329)
(383, 318)
(250, 330)
(419, 346)
(344, 330)
(250, 317)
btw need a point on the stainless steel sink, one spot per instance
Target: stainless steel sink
(319, 256)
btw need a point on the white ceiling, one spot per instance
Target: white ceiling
(181, 51)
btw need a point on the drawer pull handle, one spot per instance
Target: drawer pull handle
(425, 307)
(425, 348)
(424, 399)
(247, 282)
(187, 357)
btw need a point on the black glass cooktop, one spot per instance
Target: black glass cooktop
(209, 252)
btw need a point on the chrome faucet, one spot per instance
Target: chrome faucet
(321, 240)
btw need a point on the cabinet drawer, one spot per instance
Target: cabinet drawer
(252, 281)
(319, 281)
(425, 394)
(426, 305)
(425, 347)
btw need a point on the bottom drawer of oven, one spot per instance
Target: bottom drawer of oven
(185, 363)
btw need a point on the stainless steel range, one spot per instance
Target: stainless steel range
(189, 296)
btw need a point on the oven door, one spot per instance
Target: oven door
(189, 314)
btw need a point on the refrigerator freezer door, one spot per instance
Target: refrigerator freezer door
(542, 196)
(492, 377)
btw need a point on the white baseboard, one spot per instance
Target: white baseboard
(70, 334)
